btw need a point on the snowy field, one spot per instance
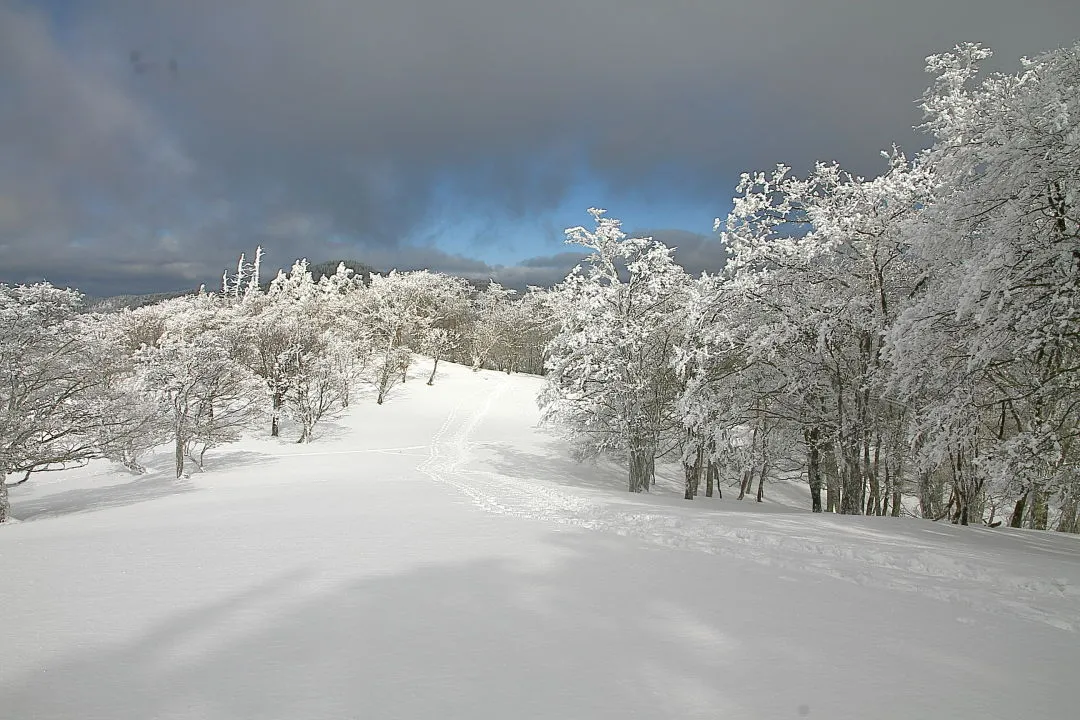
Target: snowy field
(441, 557)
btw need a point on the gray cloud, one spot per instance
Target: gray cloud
(540, 271)
(295, 124)
(694, 252)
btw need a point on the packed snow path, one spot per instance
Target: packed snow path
(438, 557)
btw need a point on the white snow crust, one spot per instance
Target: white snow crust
(440, 556)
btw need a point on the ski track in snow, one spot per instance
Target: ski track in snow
(985, 583)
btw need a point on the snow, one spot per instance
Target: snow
(439, 556)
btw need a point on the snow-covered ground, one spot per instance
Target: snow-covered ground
(441, 557)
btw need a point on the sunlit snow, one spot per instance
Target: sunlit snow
(440, 556)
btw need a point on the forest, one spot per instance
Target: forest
(907, 343)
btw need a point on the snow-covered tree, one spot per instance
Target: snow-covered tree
(393, 315)
(56, 407)
(989, 350)
(316, 388)
(316, 360)
(491, 328)
(132, 409)
(246, 279)
(610, 382)
(520, 330)
(282, 336)
(438, 343)
(208, 398)
(817, 268)
(401, 310)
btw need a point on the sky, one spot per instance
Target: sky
(144, 144)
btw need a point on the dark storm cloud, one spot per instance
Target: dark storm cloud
(541, 271)
(245, 121)
(696, 253)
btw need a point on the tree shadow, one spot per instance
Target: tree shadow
(127, 489)
(595, 628)
(217, 460)
(86, 500)
(485, 638)
(553, 464)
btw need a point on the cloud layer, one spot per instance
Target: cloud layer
(146, 142)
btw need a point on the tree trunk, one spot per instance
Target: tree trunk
(639, 468)
(699, 468)
(650, 468)
(977, 503)
(278, 402)
(832, 478)
(1017, 519)
(852, 483)
(5, 501)
(957, 494)
(764, 462)
(1069, 521)
(179, 456)
(886, 490)
(1040, 509)
(692, 470)
(747, 479)
(710, 478)
(130, 460)
(929, 498)
(813, 466)
(896, 487)
(873, 502)
(747, 482)
(431, 380)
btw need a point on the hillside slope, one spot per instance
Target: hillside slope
(441, 557)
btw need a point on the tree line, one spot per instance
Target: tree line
(911, 335)
(197, 371)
